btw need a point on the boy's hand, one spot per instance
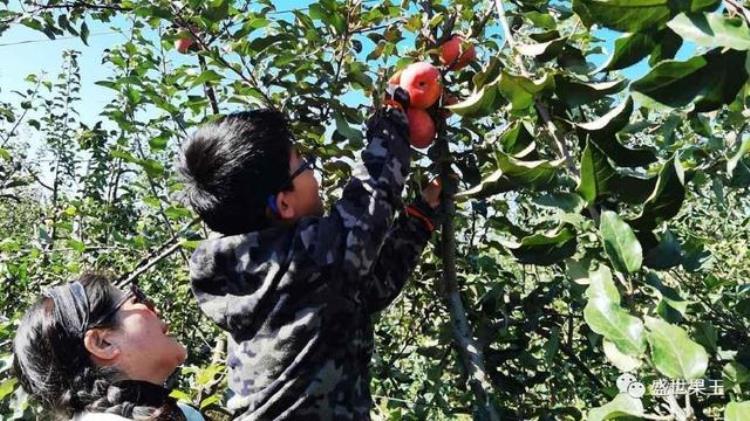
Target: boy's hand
(431, 193)
(395, 96)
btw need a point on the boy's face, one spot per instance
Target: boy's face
(304, 199)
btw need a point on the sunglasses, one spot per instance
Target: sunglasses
(134, 293)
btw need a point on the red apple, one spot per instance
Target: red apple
(422, 81)
(183, 44)
(421, 128)
(450, 50)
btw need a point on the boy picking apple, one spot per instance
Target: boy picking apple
(295, 289)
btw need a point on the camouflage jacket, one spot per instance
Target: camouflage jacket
(297, 301)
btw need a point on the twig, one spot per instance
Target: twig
(127, 278)
(138, 272)
(216, 357)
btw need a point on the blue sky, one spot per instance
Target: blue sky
(27, 51)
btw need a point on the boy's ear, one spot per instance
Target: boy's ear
(99, 344)
(285, 207)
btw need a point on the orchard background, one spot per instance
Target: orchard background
(600, 224)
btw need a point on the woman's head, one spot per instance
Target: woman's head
(82, 336)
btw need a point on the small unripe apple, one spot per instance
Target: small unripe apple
(421, 127)
(450, 50)
(422, 81)
(183, 44)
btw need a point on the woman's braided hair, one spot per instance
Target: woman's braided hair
(54, 366)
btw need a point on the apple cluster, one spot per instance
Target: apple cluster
(423, 83)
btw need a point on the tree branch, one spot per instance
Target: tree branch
(146, 263)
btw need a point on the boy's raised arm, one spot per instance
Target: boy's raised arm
(398, 257)
(352, 235)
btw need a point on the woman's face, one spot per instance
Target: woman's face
(145, 350)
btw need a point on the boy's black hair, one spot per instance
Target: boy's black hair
(231, 167)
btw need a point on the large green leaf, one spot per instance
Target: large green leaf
(609, 124)
(603, 130)
(712, 30)
(517, 139)
(624, 156)
(543, 51)
(620, 244)
(737, 411)
(545, 248)
(576, 92)
(535, 174)
(665, 254)
(479, 104)
(521, 91)
(599, 179)
(707, 81)
(630, 49)
(619, 359)
(666, 199)
(604, 315)
(623, 15)
(491, 185)
(673, 353)
(621, 406)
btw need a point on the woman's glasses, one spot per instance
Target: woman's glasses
(135, 293)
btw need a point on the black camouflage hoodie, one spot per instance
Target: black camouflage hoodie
(297, 300)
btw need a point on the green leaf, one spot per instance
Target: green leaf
(706, 82)
(208, 76)
(706, 335)
(620, 244)
(630, 49)
(712, 30)
(600, 179)
(666, 254)
(673, 353)
(735, 375)
(545, 248)
(478, 104)
(609, 124)
(623, 15)
(737, 411)
(534, 174)
(7, 387)
(85, 33)
(216, 10)
(491, 185)
(521, 91)
(342, 126)
(666, 199)
(603, 130)
(604, 315)
(543, 51)
(619, 359)
(733, 160)
(576, 93)
(517, 139)
(568, 202)
(668, 296)
(624, 156)
(622, 405)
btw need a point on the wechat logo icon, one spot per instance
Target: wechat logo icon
(627, 383)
